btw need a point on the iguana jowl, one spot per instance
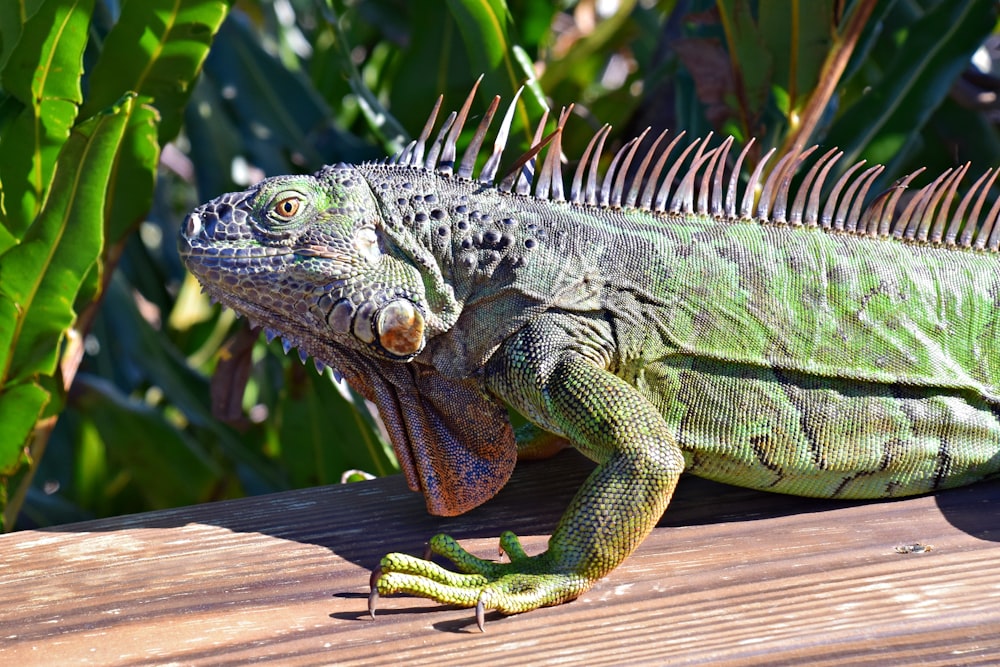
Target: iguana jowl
(651, 317)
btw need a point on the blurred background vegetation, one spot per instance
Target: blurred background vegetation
(118, 116)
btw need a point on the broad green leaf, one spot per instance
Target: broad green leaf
(933, 51)
(750, 57)
(321, 434)
(7, 240)
(798, 35)
(13, 15)
(276, 110)
(133, 354)
(39, 278)
(165, 465)
(215, 141)
(10, 109)
(28, 152)
(129, 193)
(20, 406)
(47, 60)
(131, 182)
(42, 72)
(156, 49)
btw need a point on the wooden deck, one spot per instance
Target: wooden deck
(730, 577)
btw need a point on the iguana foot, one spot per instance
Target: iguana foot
(525, 583)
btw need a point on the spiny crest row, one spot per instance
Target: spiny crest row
(704, 187)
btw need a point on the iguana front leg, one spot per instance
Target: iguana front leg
(614, 510)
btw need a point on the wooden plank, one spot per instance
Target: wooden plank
(729, 577)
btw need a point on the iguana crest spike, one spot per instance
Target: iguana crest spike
(695, 181)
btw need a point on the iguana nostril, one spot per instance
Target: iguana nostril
(192, 225)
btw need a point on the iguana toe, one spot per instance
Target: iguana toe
(525, 583)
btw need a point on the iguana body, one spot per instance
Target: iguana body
(656, 325)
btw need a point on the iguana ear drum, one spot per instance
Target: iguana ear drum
(400, 328)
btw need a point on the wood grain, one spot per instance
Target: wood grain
(729, 577)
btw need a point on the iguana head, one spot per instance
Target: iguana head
(310, 259)
(305, 256)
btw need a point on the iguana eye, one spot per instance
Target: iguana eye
(287, 208)
(279, 214)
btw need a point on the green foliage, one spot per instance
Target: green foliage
(77, 175)
(884, 121)
(116, 117)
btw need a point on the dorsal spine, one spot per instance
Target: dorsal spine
(699, 186)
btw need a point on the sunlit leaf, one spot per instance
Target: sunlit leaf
(39, 277)
(20, 406)
(42, 72)
(13, 16)
(156, 49)
(130, 186)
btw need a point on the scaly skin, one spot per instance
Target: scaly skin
(772, 356)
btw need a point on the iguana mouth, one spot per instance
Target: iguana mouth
(231, 253)
(322, 253)
(196, 241)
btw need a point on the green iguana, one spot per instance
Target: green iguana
(789, 341)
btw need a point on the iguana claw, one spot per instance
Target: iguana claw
(373, 595)
(481, 615)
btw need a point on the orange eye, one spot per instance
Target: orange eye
(287, 207)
